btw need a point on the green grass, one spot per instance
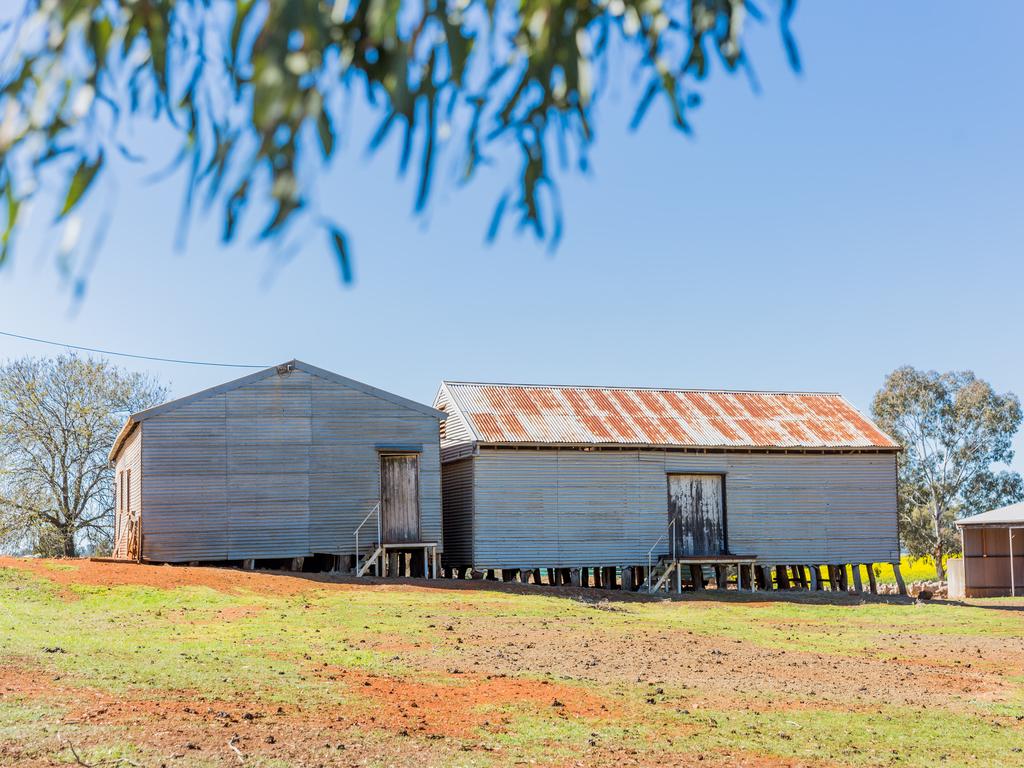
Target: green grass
(856, 739)
(137, 641)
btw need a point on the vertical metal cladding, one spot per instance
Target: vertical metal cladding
(457, 505)
(571, 507)
(281, 465)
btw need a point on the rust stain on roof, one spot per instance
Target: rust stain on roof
(505, 413)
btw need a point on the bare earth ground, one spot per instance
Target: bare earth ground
(122, 664)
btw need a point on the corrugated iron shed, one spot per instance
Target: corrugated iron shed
(1010, 515)
(568, 415)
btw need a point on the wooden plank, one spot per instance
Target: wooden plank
(696, 503)
(900, 584)
(858, 585)
(721, 578)
(399, 489)
(697, 577)
(782, 577)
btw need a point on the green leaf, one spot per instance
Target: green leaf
(100, 31)
(242, 10)
(325, 131)
(84, 176)
(13, 204)
(341, 251)
(233, 209)
(282, 213)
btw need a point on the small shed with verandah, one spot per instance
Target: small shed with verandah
(993, 554)
(650, 487)
(285, 464)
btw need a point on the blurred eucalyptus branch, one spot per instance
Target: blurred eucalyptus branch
(247, 85)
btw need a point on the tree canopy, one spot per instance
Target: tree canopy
(58, 419)
(955, 430)
(248, 85)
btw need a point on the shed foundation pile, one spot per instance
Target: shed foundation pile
(813, 577)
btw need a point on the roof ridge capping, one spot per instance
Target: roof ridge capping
(709, 390)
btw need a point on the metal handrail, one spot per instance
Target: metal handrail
(668, 532)
(375, 510)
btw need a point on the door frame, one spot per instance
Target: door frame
(725, 501)
(382, 453)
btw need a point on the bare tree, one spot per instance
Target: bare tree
(953, 427)
(58, 419)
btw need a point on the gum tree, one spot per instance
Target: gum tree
(954, 429)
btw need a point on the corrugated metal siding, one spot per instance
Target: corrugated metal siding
(268, 442)
(457, 508)
(345, 466)
(568, 508)
(456, 437)
(508, 413)
(184, 454)
(129, 459)
(284, 466)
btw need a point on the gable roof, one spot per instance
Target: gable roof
(273, 370)
(568, 415)
(1011, 515)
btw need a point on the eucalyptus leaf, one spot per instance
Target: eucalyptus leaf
(82, 179)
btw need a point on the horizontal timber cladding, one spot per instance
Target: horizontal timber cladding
(127, 482)
(283, 466)
(457, 508)
(566, 508)
(456, 436)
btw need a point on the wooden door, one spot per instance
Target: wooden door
(400, 498)
(697, 504)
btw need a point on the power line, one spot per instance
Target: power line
(126, 354)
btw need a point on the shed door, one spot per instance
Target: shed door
(400, 498)
(697, 505)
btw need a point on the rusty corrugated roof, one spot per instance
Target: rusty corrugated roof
(518, 413)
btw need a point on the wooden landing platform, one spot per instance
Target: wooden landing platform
(714, 559)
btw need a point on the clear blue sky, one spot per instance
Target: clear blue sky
(863, 215)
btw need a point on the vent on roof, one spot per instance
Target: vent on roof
(286, 368)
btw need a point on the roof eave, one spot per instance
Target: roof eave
(694, 447)
(126, 430)
(457, 407)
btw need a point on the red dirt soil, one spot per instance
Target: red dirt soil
(433, 716)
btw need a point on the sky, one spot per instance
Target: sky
(861, 215)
